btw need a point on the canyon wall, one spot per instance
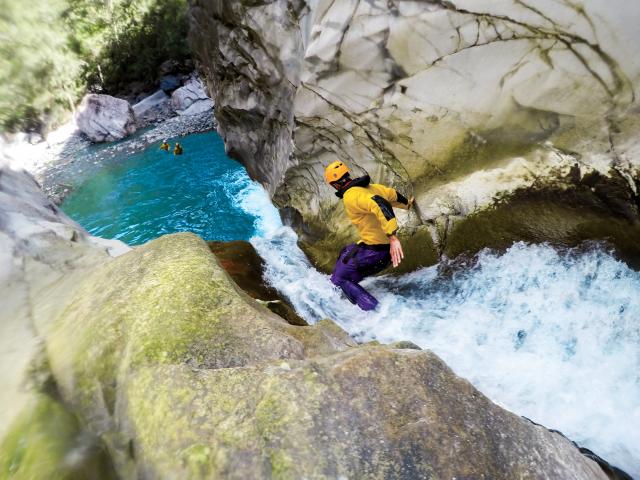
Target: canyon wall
(510, 120)
(155, 364)
(42, 254)
(180, 374)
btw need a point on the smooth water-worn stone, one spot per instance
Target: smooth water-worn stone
(152, 108)
(40, 247)
(241, 261)
(191, 99)
(184, 376)
(462, 104)
(103, 118)
(252, 82)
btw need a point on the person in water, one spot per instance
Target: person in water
(369, 206)
(164, 146)
(177, 150)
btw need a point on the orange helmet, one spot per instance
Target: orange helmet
(335, 171)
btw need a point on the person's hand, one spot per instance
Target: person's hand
(395, 249)
(411, 202)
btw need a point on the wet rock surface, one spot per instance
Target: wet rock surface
(241, 261)
(185, 376)
(462, 104)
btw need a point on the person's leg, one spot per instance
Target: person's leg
(348, 273)
(345, 272)
(346, 276)
(371, 262)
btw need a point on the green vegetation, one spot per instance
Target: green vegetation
(52, 51)
(46, 441)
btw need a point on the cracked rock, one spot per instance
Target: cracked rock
(460, 103)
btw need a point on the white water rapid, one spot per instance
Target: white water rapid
(549, 335)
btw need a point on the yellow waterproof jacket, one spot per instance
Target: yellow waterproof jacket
(370, 209)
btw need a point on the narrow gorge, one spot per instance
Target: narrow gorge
(168, 314)
(508, 121)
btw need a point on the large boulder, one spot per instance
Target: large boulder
(191, 99)
(466, 105)
(104, 118)
(184, 376)
(152, 108)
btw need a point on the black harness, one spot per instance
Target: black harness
(356, 182)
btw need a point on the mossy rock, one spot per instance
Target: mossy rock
(168, 302)
(183, 375)
(47, 442)
(562, 217)
(363, 413)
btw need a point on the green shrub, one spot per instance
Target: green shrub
(52, 51)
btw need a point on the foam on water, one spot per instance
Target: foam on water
(554, 336)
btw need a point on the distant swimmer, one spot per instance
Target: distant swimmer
(177, 150)
(164, 146)
(369, 206)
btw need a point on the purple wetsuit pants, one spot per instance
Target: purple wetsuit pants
(352, 266)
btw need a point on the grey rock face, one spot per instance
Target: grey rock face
(103, 118)
(235, 392)
(251, 57)
(152, 108)
(39, 247)
(459, 103)
(191, 99)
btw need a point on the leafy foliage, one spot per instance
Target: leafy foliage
(52, 51)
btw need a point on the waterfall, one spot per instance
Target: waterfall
(552, 335)
(548, 334)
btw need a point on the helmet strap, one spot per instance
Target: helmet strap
(346, 178)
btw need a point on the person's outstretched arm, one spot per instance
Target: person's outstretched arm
(402, 201)
(383, 211)
(395, 250)
(395, 198)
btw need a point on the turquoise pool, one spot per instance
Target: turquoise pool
(151, 193)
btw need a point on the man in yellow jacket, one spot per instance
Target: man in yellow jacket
(369, 206)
